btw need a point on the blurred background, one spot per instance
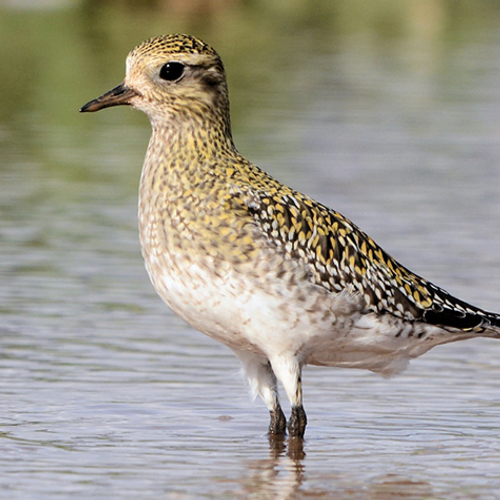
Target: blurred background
(386, 110)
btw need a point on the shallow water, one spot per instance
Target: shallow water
(106, 394)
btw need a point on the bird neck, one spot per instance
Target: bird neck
(192, 141)
(183, 154)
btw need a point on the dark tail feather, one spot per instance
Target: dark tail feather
(450, 312)
(466, 321)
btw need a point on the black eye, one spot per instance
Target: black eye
(172, 71)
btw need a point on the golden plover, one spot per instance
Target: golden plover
(279, 278)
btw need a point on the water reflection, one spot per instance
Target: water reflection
(279, 476)
(284, 475)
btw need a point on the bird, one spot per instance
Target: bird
(279, 278)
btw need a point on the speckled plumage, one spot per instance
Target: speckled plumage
(281, 279)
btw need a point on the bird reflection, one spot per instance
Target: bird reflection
(293, 447)
(278, 476)
(282, 476)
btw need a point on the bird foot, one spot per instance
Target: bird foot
(278, 422)
(297, 423)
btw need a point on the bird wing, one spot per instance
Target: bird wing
(341, 256)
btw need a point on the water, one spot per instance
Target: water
(106, 394)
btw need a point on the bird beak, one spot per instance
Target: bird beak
(120, 95)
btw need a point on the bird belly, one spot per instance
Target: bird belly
(381, 343)
(227, 306)
(268, 317)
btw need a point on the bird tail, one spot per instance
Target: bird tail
(451, 313)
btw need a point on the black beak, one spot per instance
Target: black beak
(120, 95)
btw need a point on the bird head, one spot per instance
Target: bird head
(173, 79)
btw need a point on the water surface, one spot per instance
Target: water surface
(391, 117)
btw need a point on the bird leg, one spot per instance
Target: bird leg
(277, 425)
(288, 370)
(298, 421)
(263, 383)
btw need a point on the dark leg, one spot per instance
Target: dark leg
(298, 421)
(263, 382)
(278, 421)
(288, 370)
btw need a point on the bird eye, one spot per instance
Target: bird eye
(172, 71)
